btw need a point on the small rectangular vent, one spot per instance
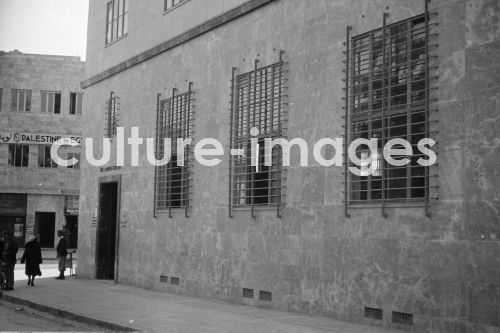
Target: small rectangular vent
(247, 293)
(265, 295)
(164, 278)
(373, 313)
(175, 280)
(402, 318)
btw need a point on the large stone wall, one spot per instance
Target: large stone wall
(442, 269)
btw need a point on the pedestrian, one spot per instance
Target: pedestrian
(2, 244)
(62, 252)
(10, 260)
(33, 257)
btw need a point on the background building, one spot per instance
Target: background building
(412, 247)
(40, 101)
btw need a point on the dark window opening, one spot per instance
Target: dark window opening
(19, 155)
(75, 103)
(44, 157)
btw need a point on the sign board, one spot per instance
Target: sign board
(35, 138)
(71, 211)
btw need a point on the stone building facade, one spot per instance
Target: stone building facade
(421, 255)
(41, 101)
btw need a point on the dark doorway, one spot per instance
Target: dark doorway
(45, 225)
(106, 231)
(72, 230)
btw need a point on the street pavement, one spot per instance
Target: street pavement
(96, 301)
(22, 318)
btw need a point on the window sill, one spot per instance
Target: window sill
(174, 7)
(116, 40)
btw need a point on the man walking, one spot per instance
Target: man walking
(10, 260)
(62, 252)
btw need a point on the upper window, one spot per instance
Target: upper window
(44, 157)
(116, 19)
(169, 4)
(257, 101)
(173, 180)
(21, 100)
(388, 98)
(51, 101)
(112, 110)
(19, 155)
(75, 103)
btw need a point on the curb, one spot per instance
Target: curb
(70, 315)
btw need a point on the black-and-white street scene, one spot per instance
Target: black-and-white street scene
(250, 166)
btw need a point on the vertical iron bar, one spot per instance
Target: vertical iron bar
(409, 119)
(427, 95)
(158, 96)
(231, 124)
(188, 153)
(110, 109)
(346, 124)
(280, 134)
(384, 69)
(370, 109)
(170, 169)
(252, 173)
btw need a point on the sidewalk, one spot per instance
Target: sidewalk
(119, 307)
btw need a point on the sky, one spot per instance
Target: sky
(44, 26)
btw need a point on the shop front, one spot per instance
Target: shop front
(13, 215)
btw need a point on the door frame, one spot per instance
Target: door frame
(103, 180)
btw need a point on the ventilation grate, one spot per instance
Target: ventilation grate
(247, 293)
(164, 278)
(175, 280)
(402, 318)
(374, 313)
(265, 295)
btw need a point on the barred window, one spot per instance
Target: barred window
(75, 103)
(112, 112)
(174, 180)
(44, 157)
(387, 97)
(76, 156)
(116, 19)
(51, 101)
(21, 100)
(19, 155)
(170, 4)
(257, 101)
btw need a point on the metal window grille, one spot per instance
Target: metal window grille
(116, 19)
(44, 157)
(389, 94)
(248, 293)
(112, 113)
(374, 313)
(258, 99)
(402, 318)
(265, 295)
(175, 117)
(19, 155)
(21, 100)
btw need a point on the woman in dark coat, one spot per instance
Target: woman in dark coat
(33, 258)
